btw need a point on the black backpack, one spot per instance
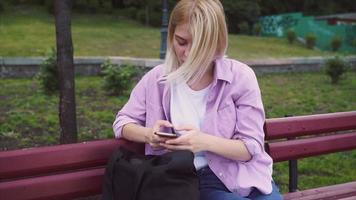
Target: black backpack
(131, 176)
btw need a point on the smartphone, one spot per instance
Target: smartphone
(163, 134)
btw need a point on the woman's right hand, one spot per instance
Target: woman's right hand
(154, 140)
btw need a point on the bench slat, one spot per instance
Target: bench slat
(301, 148)
(328, 192)
(278, 128)
(52, 159)
(60, 186)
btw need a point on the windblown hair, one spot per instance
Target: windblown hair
(207, 25)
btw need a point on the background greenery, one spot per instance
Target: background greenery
(30, 118)
(29, 31)
(238, 12)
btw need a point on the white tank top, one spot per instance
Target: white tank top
(188, 107)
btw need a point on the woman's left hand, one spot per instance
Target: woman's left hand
(193, 140)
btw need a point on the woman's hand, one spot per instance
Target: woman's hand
(155, 140)
(193, 140)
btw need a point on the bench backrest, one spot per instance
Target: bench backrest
(57, 172)
(76, 170)
(304, 136)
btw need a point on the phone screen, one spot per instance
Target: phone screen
(163, 134)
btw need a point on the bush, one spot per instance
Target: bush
(130, 12)
(354, 43)
(335, 68)
(291, 36)
(310, 40)
(118, 79)
(149, 17)
(48, 74)
(257, 28)
(49, 4)
(336, 43)
(1, 7)
(243, 28)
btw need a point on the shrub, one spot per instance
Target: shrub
(130, 12)
(49, 4)
(257, 29)
(243, 28)
(291, 36)
(48, 74)
(335, 68)
(336, 43)
(118, 79)
(1, 7)
(354, 42)
(310, 40)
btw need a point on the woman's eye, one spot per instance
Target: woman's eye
(181, 42)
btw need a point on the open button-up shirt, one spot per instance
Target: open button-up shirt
(234, 110)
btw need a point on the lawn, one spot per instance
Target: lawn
(29, 118)
(29, 31)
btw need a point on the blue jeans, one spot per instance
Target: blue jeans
(211, 188)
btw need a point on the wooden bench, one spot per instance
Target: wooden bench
(76, 170)
(292, 138)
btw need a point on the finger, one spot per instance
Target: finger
(164, 123)
(176, 147)
(178, 141)
(161, 123)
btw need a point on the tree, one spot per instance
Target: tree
(243, 11)
(117, 3)
(67, 113)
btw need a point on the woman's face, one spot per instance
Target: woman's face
(182, 42)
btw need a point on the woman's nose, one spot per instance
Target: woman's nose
(186, 52)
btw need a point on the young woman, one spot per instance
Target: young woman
(212, 102)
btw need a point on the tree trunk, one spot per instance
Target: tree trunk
(67, 113)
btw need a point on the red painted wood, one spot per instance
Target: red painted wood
(301, 148)
(278, 128)
(43, 160)
(60, 186)
(328, 192)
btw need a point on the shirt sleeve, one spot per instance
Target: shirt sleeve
(250, 115)
(134, 111)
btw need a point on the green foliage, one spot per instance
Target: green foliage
(30, 118)
(335, 68)
(291, 36)
(257, 28)
(48, 74)
(49, 4)
(1, 7)
(354, 42)
(243, 28)
(22, 31)
(336, 43)
(310, 40)
(130, 12)
(118, 79)
(241, 11)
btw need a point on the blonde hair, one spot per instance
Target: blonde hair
(207, 26)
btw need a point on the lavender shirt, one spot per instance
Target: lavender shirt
(234, 110)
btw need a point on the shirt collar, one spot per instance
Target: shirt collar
(220, 72)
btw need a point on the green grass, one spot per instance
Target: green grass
(29, 118)
(306, 93)
(29, 31)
